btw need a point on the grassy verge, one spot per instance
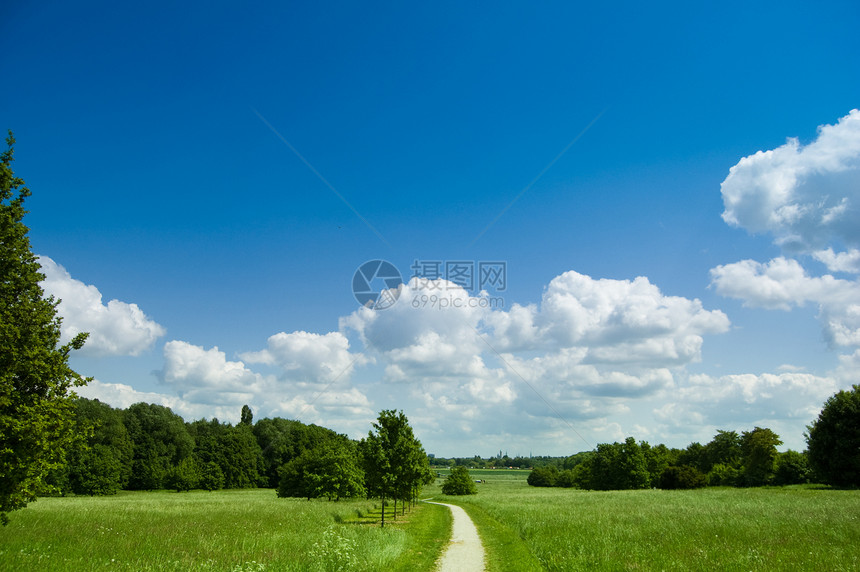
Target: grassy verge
(247, 530)
(790, 528)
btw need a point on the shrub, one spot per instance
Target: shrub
(459, 482)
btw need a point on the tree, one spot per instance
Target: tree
(724, 449)
(683, 477)
(833, 440)
(36, 382)
(330, 470)
(758, 450)
(247, 416)
(394, 461)
(459, 482)
(161, 442)
(792, 468)
(101, 465)
(543, 477)
(618, 466)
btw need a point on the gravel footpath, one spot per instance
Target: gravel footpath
(465, 553)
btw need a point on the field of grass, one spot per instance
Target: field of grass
(523, 529)
(238, 530)
(792, 528)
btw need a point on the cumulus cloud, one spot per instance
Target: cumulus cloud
(612, 321)
(848, 262)
(806, 196)
(579, 356)
(115, 328)
(308, 357)
(782, 284)
(784, 402)
(202, 376)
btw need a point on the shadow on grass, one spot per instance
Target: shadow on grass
(373, 516)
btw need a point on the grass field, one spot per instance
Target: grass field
(792, 528)
(523, 528)
(239, 530)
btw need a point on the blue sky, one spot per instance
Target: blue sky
(649, 293)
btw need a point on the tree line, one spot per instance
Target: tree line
(148, 447)
(746, 459)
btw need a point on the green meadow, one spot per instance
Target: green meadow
(791, 528)
(235, 530)
(523, 528)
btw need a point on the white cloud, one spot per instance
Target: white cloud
(782, 284)
(308, 357)
(206, 378)
(615, 321)
(204, 375)
(805, 196)
(118, 328)
(848, 262)
(785, 402)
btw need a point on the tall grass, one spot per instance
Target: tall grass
(240, 530)
(791, 528)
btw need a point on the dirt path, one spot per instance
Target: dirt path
(465, 553)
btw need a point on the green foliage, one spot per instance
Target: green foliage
(282, 440)
(329, 470)
(211, 476)
(459, 482)
(36, 412)
(683, 477)
(792, 468)
(184, 476)
(725, 449)
(833, 440)
(724, 476)
(758, 450)
(618, 466)
(102, 465)
(247, 416)
(161, 441)
(394, 461)
(543, 477)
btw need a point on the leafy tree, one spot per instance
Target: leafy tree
(211, 476)
(394, 461)
(833, 440)
(282, 440)
(683, 477)
(459, 482)
(724, 449)
(101, 465)
(619, 466)
(758, 450)
(330, 470)
(185, 475)
(543, 477)
(247, 417)
(724, 476)
(36, 412)
(792, 468)
(657, 458)
(161, 441)
(243, 460)
(695, 455)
